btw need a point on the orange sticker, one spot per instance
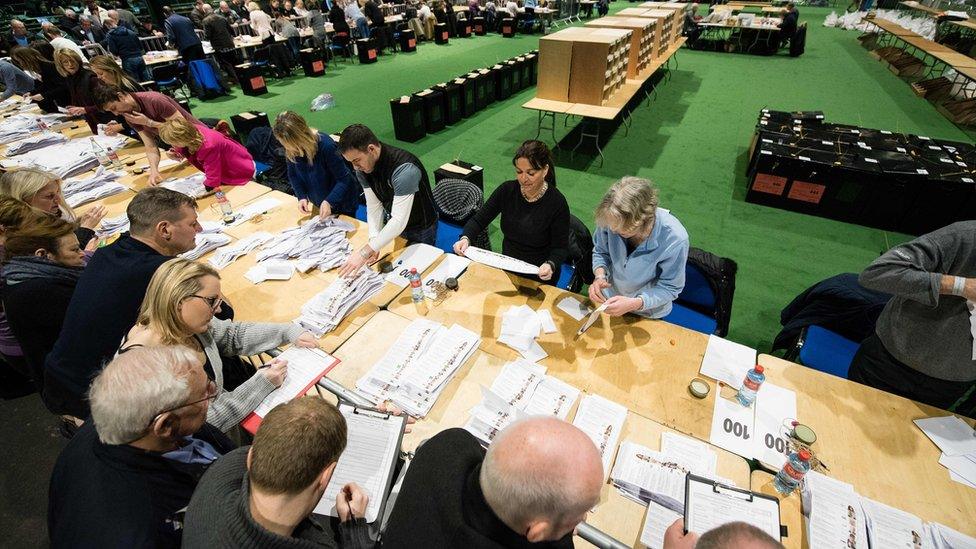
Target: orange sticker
(317, 66)
(770, 184)
(257, 82)
(371, 54)
(444, 35)
(412, 43)
(478, 28)
(806, 192)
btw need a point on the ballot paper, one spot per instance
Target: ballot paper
(890, 527)
(963, 466)
(491, 416)
(450, 267)
(552, 397)
(517, 382)
(22, 125)
(112, 225)
(710, 505)
(499, 261)
(656, 522)
(960, 479)
(372, 448)
(305, 368)
(732, 427)
(78, 191)
(249, 211)
(835, 519)
(416, 256)
(191, 185)
(573, 307)
(727, 361)
(326, 309)
(64, 159)
(594, 316)
(36, 141)
(775, 409)
(228, 254)
(206, 242)
(952, 435)
(270, 270)
(943, 537)
(317, 243)
(696, 456)
(520, 327)
(603, 421)
(548, 324)
(440, 361)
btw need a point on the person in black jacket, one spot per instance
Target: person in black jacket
(163, 224)
(88, 32)
(787, 28)
(217, 29)
(535, 215)
(43, 263)
(126, 476)
(338, 19)
(538, 481)
(263, 496)
(124, 43)
(51, 91)
(81, 83)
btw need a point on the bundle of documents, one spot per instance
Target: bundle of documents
(957, 440)
(228, 254)
(205, 242)
(112, 225)
(522, 389)
(415, 256)
(21, 126)
(521, 325)
(603, 421)
(499, 261)
(36, 141)
(326, 310)
(317, 243)
(645, 475)
(418, 366)
(78, 191)
(270, 270)
(64, 159)
(191, 185)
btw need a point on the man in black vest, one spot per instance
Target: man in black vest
(398, 197)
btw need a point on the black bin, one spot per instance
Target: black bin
(508, 27)
(440, 33)
(251, 78)
(367, 50)
(463, 28)
(480, 27)
(451, 102)
(516, 67)
(503, 81)
(489, 76)
(476, 174)
(408, 40)
(433, 107)
(247, 121)
(408, 118)
(469, 96)
(312, 62)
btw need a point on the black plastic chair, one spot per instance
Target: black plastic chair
(170, 77)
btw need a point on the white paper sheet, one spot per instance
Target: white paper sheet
(656, 522)
(732, 427)
(450, 267)
(594, 316)
(500, 261)
(727, 361)
(775, 409)
(415, 256)
(952, 435)
(545, 318)
(708, 509)
(552, 397)
(602, 420)
(304, 366)
(836, 518)
(517, 382)
(890, 527)
(270, 270)
(963, 466)
(573, 307)
(249, 211)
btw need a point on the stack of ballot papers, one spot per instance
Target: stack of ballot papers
(317, 243)
(64, 159)
(645, 475)
(326, 309)
(191, 185)
(499, 261)
(228, 254)
(206, 242)
(78, 191)
(957, 440)
(21, 126)
(521, 325)
(270, 270)
(418, 366)
(112, 225)
(522, 389)
(603, 421)
(36, 141)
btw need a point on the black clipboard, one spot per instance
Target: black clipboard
(737, 496)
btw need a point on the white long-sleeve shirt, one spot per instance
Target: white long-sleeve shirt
(261, 24)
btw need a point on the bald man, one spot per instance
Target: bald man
(734, 535)
(535, 485)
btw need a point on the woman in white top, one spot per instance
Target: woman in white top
(261, 23)
(300, 8)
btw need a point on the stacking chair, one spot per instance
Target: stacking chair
(170, 77)
(824, 350)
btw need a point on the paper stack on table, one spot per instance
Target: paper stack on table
(317, 243)
(36, 141)
(78, 191)
(191, 185)
(521, 325)
(416, 369)
(957, 440)
(603, 421)
(326, 309)
(21, 126)
(228, 254)
(727, 361)
(205, 242)
(416, 256)
(270, 270)
(112, 225)
(64, 159)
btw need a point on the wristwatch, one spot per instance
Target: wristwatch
(364, 254)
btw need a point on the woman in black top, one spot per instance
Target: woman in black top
(51, 91)
(338, 19)
(81, 83)
(535, 215)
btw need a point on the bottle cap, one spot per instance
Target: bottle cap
(804, 454)
(699, 388)
(759, 369)
(451, 283)
(413, 270)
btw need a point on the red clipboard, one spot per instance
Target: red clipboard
(253, 420)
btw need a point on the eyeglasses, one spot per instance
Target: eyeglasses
(211, 394)
(214, 302)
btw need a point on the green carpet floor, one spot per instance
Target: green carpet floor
(691, 141)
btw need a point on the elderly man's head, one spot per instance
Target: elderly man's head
(18, 27)
(150, 393)
(629, 208)
(70, 14)
(541, 476)
(207, 9)
(86, 22)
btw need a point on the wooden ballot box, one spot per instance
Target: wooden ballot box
(408, 40)
(433, 108)
(313, 63)
(367, 50)
(480, 27)
(408, 118)
(440, 33)
(251, 78)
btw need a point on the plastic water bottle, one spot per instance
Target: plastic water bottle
(750, 386)
(113, 157)
(99, 152)
(225, 207)
(417, 291)
(792, 473)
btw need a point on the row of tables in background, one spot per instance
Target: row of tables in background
(865, 436)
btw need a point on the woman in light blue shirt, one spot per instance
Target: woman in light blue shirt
(639, 252)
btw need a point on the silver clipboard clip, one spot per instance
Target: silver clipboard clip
(372, 412)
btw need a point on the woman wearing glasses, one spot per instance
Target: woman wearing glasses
(179, 308)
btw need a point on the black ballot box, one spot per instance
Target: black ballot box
(480, 27)
(433, 108)
(480, 83)
(503, 81)
(313, 63)
(408, 40)
(463, 28)
(469, 97)
(440, 33)
(459, 169)
(508, 27)
(489, 76)
(529, 65)
(251, 78)
(516, 67)
(367, 50)
(247, 121)
(451, 101)
(408, 118)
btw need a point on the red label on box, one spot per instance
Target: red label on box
(444, 35)
(412, 43)
(257, 82)
(371, 54)
(806, 192)
(770, 184)
(477, 29)
(318, 66)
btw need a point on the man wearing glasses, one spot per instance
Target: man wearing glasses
(128, 474)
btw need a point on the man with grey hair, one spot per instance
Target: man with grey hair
(126, 476)
(230, 15)
(163, 224)
(733, 535)
(16, 36)
(535, 485)
(125, 18)
(89, 32)
(68, 22)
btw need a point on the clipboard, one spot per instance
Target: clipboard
(710, 504)
(364, 426)
(253, 420)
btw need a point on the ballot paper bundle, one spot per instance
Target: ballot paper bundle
(957, 440)
(64, 159)
(21, 126)
(112, 225)
(602, 421)
(499, 261)
(78, 191)
(191, 185)
(522, 389)
(521, 325)
(326, 309)
(414, 372)
(205, 242)
(645, 475)
(228, 254)
(317, 243)
(37, 141)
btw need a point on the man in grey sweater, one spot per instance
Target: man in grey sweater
(923, 344)
(14, 80)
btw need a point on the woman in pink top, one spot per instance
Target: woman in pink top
(223, 160)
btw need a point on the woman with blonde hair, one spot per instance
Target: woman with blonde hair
(42, 191)
(222, 160)
(51, 91)
(639, 252)
(179, 308)
(81, 83)
(110, 73)
(317, 173)
(261, 23)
